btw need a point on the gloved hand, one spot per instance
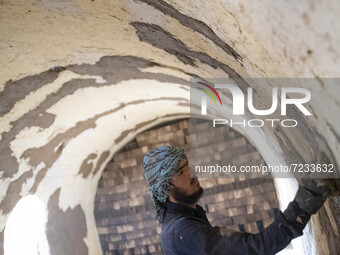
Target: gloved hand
(312, 193)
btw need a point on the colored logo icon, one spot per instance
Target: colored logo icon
(209, 93)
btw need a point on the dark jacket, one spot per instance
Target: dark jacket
(187, 231)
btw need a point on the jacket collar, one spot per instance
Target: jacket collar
(186, 210)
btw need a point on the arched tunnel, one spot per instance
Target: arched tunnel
(89, 87)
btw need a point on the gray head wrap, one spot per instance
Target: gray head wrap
(160, 165)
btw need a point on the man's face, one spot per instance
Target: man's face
(186, 188)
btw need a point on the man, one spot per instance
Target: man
(185, 228)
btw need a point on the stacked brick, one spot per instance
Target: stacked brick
(123, 208)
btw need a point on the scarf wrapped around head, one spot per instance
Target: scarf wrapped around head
(160, 165)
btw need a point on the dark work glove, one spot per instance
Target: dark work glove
(312, 193)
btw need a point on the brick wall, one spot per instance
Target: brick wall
(123, 208)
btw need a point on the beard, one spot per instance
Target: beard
(181, 197)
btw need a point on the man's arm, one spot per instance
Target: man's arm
(195, 237)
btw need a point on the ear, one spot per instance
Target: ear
(170, 192)
(171, 188)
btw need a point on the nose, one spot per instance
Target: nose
(192, 172)
(193, 176)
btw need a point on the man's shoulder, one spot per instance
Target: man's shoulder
(177, 223)
(177, 228)
(174, 222)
